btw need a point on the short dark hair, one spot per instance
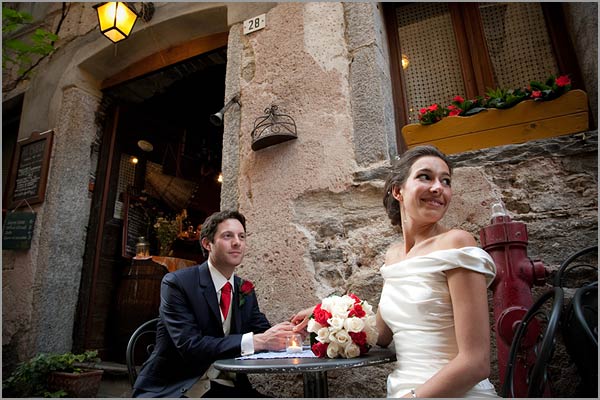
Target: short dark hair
(210, 225)
(398, 175)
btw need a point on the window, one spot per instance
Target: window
(440, 50)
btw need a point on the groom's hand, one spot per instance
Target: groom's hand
(274, 338)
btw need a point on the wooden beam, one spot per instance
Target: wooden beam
(165, 58)
(398, 90)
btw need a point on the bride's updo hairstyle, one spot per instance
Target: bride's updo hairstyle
(398, 175)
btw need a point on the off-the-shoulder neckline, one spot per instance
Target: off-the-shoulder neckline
(433, 252)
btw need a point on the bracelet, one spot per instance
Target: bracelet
(412, 391)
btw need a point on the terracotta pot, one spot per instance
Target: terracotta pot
(528, 120)
(76, 384)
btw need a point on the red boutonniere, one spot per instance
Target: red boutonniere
(246, 287)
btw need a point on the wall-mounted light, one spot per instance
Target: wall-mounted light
(134, 160)
(220, 177)
(118, 18)
(217, 118)
(405, 61)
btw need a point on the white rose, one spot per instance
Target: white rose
(323, 335)
(336, 323)
(341, 337)
(340, 307)
(370, 321)
(333, 350)
(351, 351)
(347, 301)
(354, 324)
(372, 336)
(327, 303)
(313, 326)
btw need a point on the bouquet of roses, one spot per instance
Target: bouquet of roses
(342, 326)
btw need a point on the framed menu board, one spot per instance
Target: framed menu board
(29, 169)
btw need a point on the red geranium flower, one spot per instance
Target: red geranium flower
(320, 349)
(321, 316)
(563, 81)
(458, 99)
(536, 94)
(432, 107)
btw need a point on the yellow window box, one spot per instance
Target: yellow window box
(528, 120)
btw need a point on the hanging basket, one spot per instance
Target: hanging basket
(272, 128)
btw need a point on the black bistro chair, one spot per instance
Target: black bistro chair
(145, 334)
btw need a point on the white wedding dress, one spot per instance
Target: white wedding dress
(415, 304)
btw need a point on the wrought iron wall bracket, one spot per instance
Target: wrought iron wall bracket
(272, 128)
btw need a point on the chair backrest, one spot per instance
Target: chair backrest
(145, 334)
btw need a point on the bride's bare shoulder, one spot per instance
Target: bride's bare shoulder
(395, 253)
(457, 238)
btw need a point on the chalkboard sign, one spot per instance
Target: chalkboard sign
(135, 224)
(29, 169)
(18, 230)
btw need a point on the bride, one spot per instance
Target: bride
(433, 303)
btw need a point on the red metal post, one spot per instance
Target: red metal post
(506, 242)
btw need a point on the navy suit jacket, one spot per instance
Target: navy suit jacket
(190, 336)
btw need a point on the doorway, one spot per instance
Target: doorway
(161, 155)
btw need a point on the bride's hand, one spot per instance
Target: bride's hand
(301, 319)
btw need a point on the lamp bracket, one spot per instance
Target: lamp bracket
(272, 128)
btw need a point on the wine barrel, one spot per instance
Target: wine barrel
(138, 299)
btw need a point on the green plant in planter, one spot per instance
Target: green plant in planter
(30, 378)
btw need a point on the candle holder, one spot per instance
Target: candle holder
(294, 343)
(142, 249)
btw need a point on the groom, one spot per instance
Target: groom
(207, 313)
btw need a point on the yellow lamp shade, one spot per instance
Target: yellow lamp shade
(116, 20)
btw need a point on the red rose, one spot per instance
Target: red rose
(357, 311)
(320, 349)
(563, 81)
(355, 297)
(359, 338)
(364, 349)
(536, 94)
(247, 287)
(458, 99)
(321, 316)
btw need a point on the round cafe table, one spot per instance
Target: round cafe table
(314, 370)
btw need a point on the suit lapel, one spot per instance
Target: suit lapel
(236, 321)
(209, 291)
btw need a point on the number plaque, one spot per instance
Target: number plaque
(254, 24)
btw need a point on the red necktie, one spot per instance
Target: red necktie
(225, 299)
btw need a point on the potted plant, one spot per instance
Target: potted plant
(503, 116)
(55, 375)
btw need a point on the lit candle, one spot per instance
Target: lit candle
(294, 344)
